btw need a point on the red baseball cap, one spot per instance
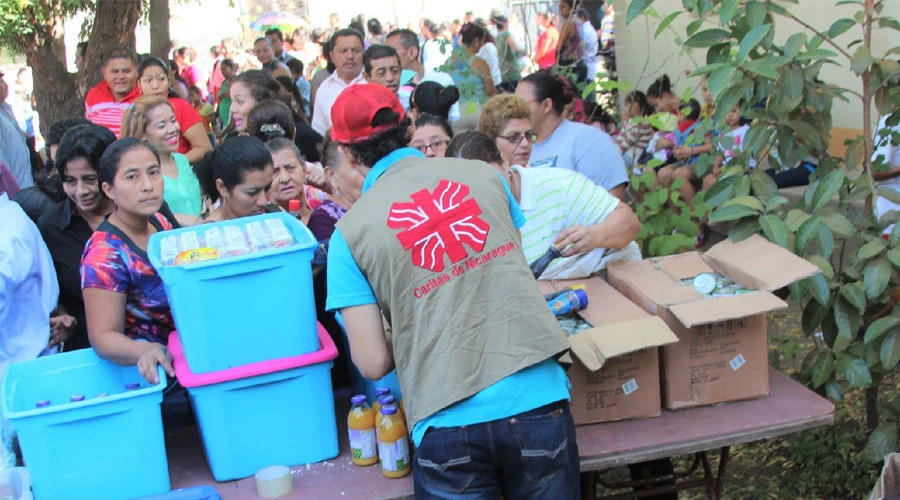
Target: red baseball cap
(356, 106)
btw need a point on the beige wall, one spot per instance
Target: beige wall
(641, 58)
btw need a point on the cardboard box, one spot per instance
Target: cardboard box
(723, 350)
(615, 371)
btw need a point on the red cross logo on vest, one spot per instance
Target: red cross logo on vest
(439, 222)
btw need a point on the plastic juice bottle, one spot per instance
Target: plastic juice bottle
(393, 445)
(380, 392)
(363, 439)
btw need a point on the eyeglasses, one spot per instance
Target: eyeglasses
(435, 146)
(516, 137)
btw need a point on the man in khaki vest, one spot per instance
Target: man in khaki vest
(433, 245)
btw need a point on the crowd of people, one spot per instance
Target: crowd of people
(316, 119)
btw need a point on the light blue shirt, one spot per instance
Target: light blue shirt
(584, 149)
(529, 388)
(28, 287)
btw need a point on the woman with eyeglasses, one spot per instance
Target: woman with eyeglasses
(507, 120)
(562, 208)
(431, 136)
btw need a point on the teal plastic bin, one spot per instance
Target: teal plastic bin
(245, 309)
(108, 446)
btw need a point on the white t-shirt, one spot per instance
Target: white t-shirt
(890, 154)
(554, 199)
(488, 52)
(432, 56)
(584, 149)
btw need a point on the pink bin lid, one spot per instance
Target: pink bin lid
(189, 379)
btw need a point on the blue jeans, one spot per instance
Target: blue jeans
(530, 455)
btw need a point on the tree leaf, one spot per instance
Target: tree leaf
(882, 442)
(833, 390)
(636, 8)
(855, 295)
(806, 132)
(747, 201)
(805, 234)
(727, 11)
(894, 254)
(861, 60)
(826, 188)
(708, 38)
(876, 276)
(839, 224)
(795, 218)
(890, 350)
(855, 370)
(720, 79)
(847, 319)
(751, 40)
(823, 369)
(774, 229)
(840, 27)
(870, 249)
(813, 314)
(743, 230)
(879, 327)
(826, 240)
(892, 195)
(762, 184)
(818, 287)
(763, 67)
(733, 212)
(665, 22)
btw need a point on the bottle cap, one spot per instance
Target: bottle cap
(359, 399)
(582, 298)
(388, 410)
(132, 386)
(77, 397)
(704, 283)
(42, 403)
(294, 206)
(386, 400)
(382, 391)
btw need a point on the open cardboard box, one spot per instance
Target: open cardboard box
(615, 371)
(723, 350)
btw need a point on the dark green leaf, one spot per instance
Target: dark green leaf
(870, 249)
(763, 67)
(795, 218)
(755, 12)
(879, 326)
(794, 44)
(877, 275)
(708, 38)
(694, 26)
(847, 319)
(840, 27)
(762, 184)
(890, 350)
(813, 314)
(826, 188)
(743, 230)
(727, 11)
(882, 442)
(752, 39)
(823, 369)
(818, 287)
(805, 234)
(720, 79)
(666, 22)
(730, 213)
(855, 370)
(806, 132)
(889, 22)
(833, 390)
(774, 229)
(636, 8)
(861, 60)
(855, 295)
(709, 68)
(839, 224)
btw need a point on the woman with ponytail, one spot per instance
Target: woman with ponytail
(566, 144)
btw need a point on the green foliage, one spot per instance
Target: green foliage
(780, 87)
(666, 223)
(21, 19)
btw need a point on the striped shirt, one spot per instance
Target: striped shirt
(101, 107)
(554, 199)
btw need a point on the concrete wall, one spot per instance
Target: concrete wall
(641, 58)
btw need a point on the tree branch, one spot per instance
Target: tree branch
(819, 33)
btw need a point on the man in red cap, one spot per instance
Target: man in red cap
(433, 246)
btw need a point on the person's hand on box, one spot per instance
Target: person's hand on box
(155, 354)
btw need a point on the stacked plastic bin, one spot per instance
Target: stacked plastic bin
(248, 349)
(88, 428)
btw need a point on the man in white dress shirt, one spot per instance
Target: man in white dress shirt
(346, 52)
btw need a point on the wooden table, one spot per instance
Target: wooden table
(790, 408)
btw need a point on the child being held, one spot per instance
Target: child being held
(734, 140)
(637, 132)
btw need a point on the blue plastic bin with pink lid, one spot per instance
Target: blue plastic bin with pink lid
(88, 428)
(240, 309)
(276, 412)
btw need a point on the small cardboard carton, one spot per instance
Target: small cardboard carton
(723, 351)
(615, 371)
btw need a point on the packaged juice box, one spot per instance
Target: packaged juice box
(235, 241)
(168, 249)
(257, 236)
(279, 235)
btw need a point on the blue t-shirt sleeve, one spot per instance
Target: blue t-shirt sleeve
(518, 217)
(347, 286)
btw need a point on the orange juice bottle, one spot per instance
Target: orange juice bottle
(393, 444)
(384, 401)
(380, 392)
(363, 433)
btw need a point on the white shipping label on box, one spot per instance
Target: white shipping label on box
(629, 387)
(737, 362)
